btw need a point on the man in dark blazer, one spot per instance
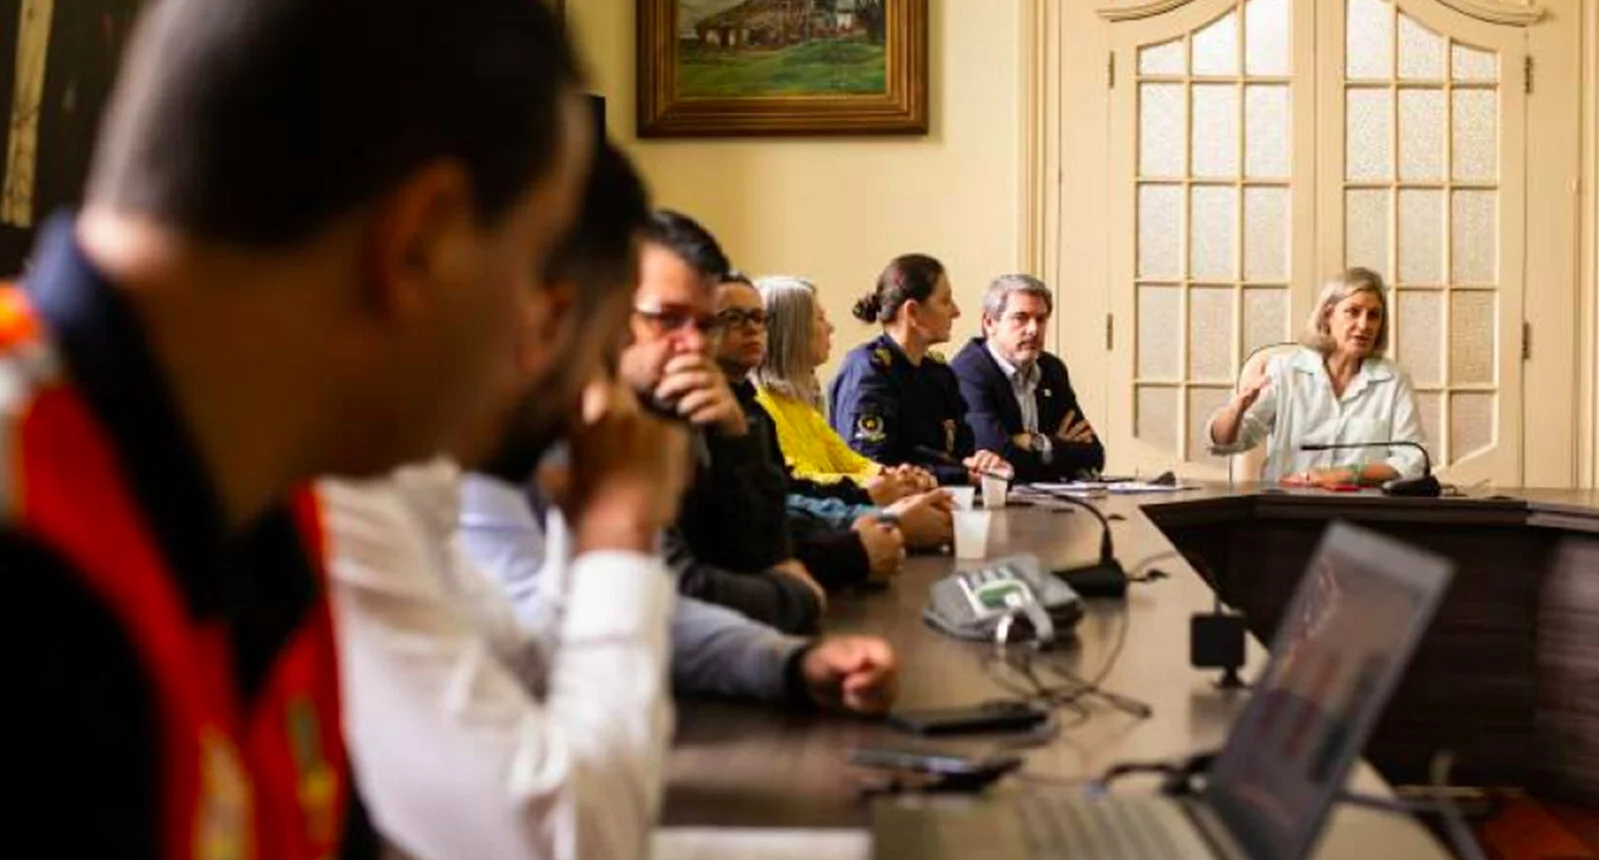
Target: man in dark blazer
(1019, 398)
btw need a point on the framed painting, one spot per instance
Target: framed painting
(726, 68)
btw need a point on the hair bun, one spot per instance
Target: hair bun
(867, 307)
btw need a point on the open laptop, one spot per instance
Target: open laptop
(1343, 644)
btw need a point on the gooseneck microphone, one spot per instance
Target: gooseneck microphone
(1425, 486)
(1102, 578)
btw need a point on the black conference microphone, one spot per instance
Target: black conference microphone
(1102, 578)
(1425, 486)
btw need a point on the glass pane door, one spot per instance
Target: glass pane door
(1214, 218)
(1424, 182)
(1421, 206)
(1259, 147)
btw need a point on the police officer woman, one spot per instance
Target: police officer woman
(894, 399)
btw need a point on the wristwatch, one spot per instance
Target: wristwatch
(1045, 448)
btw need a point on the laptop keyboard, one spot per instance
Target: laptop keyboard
(1130, 827)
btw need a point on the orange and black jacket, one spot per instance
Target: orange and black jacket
(172, 690)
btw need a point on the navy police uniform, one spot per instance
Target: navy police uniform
(886, 408)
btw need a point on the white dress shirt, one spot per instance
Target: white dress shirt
(714, 649)
(1024, 386)
(454, 755)
(1299, 408)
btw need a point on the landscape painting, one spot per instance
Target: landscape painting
(780, 47)
(737, 67)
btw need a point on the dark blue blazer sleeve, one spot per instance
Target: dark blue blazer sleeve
(1074, 459)
(992, 413)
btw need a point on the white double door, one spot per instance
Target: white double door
(1254, 148)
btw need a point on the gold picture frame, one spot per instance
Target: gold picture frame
(733, 68)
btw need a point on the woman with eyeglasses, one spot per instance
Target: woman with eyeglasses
(894, 399)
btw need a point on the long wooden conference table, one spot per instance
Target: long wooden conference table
(1507, 676)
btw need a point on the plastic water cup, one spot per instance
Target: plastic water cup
(965, 497)
(971, 533)
(994, 490)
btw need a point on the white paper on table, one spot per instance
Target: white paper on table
(1084, 488)
(737, 843)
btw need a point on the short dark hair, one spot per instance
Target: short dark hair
(689, 240)
(909, 276)
(260, 122)
(598, 253)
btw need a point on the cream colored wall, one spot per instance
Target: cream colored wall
(837, 210)
(1590, 251)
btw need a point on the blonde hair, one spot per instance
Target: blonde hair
(1318, 333)
(790, 308)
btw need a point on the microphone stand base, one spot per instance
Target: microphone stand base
(1102, 579)
(1426, 486)
(1231, 680)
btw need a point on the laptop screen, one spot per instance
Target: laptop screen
(1343, 644)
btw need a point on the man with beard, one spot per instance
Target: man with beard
(483, 738)
(1019, 398)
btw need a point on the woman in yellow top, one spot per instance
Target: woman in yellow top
(799, 339)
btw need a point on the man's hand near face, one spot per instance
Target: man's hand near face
(628, 471)
(642, 364)
(697, 391)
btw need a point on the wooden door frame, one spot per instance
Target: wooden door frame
(1588, 183)
(1555, 386)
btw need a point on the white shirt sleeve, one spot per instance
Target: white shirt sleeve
(714, 649)
(454, 756)
(1258, 420)
(1405, 460)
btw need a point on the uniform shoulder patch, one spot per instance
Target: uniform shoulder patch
(937, 356)
(869, 428)
(881, 357)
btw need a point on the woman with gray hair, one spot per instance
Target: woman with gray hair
(800, 339)
(1335, 389)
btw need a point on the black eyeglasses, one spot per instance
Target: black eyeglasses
(733, 317)
(672, 318)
